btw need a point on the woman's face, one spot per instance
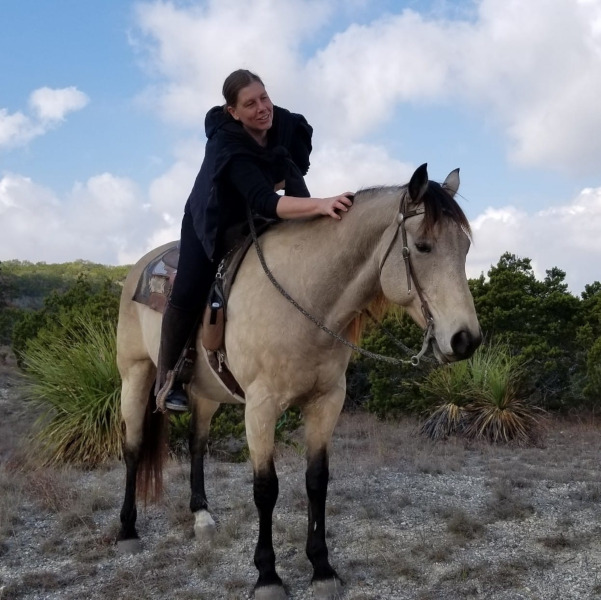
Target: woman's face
(253, 109)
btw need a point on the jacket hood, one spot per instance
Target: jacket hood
(215, 119)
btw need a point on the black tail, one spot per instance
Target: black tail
(153, 451)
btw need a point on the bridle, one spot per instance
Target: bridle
(403, 215)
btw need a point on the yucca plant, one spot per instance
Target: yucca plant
(499, 412)
(481, 399)
(449, 387)
(72, 378)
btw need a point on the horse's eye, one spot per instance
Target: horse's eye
(424, 247)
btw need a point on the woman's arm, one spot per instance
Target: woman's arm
(251, 183)
(291, 207)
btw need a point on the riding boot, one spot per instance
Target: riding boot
(176, 329)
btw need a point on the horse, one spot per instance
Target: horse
(406, 245)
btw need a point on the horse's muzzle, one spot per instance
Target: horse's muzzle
(464, 344)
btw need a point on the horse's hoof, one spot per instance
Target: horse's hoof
(328, 589)
(270, 592)
(131, 546)
(204, 526)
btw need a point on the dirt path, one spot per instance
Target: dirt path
(406, 520)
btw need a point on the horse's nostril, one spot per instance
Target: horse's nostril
(464, 343)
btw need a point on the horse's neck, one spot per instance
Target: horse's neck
(336, 264)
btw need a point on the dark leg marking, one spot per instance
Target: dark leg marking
(129, 512)
(198, 447)
(266, 489)
(317, 489)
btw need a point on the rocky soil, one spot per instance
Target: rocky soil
(407, 519)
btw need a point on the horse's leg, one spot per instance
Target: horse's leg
(136, 386)
(260, 420)
(321, 415)
(200, 422)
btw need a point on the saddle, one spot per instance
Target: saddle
(154, 288)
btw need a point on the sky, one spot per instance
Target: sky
(102, 107)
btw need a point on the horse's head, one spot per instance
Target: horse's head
(422, 265)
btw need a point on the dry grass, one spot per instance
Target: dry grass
(464, 526)
(407, 519)
(506, 503)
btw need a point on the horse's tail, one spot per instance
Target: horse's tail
(153, 451)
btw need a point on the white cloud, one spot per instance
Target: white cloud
(533, 71)
(193, 49)
(97, 221)
(16, 129)
(54, 104)
(565, 236)
(49, 107)
(538, 71)
(339, 168)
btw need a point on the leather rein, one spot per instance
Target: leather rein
(403, 215)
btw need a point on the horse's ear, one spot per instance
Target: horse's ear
(418, 183)
(451, 183)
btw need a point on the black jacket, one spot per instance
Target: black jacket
(236, 170)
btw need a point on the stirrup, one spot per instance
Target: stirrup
(177, 400)
(171, 399)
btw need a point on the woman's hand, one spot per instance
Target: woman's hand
(290, 207)
(336, 204)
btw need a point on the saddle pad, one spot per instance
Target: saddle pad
(156, 280)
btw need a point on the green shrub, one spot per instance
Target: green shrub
(452, 385)
(482, 398)
(592, 389)
(72, 378)
(60, 310)
(498, 411)
(393, 390)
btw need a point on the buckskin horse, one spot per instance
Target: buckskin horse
(405, 244)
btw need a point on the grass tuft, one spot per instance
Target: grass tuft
(75, 384)
(481, 399)
(448, 419)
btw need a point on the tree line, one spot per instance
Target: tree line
(555, 334)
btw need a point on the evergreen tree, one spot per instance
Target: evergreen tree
(538, 320)
(60, 308)
(589, 340)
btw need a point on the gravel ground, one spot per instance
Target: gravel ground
(407, 519)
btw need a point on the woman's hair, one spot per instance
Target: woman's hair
(234, 82)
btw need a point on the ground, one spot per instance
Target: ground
(407, 519)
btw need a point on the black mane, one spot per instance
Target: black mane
(438, 204)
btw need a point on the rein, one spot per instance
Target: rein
(428, 332)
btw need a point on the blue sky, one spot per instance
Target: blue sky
(102, 106)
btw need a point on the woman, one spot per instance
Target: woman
(253, 149)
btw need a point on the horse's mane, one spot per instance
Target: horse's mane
(438, 205)
(376, 311)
